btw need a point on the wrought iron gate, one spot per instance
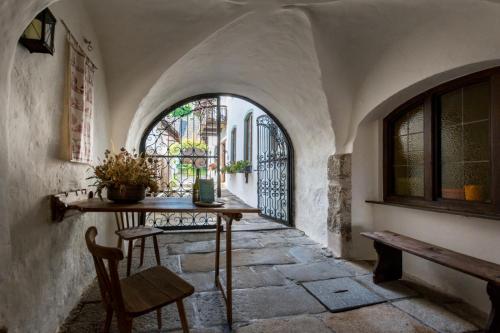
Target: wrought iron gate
(184, 138)
(273, 167)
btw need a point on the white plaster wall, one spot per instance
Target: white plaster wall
(269, 58)
(471, 236)
(49, 264)
(238, 109)
(364, 186)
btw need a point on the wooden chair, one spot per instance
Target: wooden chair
(138, 294)
(129, 228)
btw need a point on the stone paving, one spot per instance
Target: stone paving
(284, 282)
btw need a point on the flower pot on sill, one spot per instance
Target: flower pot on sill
(247, 169)
(127, 193)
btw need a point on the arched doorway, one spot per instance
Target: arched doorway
(194, 133)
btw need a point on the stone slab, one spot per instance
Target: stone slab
(472, 314)
(309, 253)
(382, 318)
(270, 302)
(358, 267)
(289, 233)
(210, 309)
(201, 281)
(313, 271)
(295, 324)
(389, 290)
(182, 237)
(255, 277)
(342, 294)
(435, 316)
(205, 262)
(209, 246)
(303, 240)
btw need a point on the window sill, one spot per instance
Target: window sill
(431, 208)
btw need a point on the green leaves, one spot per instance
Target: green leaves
(238, 166)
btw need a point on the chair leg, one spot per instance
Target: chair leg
(158, 317)
(129, 257)
(157, 251)
(109, 318)
(119, 243)
(182, 315)
(124, 324)
(143, 242)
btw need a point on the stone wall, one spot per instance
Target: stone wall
(47, 262)
(339, 204)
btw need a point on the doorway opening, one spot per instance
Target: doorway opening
(230, 139)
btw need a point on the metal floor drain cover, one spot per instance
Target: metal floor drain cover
(342, 294)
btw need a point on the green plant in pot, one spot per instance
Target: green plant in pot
(126, 176)
(237, 167)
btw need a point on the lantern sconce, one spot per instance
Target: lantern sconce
(39, 35)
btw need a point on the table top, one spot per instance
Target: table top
(160, 205)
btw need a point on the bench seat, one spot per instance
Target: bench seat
(390, 245)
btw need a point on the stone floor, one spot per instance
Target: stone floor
(285, 282)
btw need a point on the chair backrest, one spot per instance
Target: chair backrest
(109, 280)
(127, 220)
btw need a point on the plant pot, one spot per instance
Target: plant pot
(127, 193)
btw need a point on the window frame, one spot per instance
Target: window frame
(248, 137)
(232, 154)
(432, 162)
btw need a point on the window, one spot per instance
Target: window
(247, 149)
(442, 148)
(232, 155)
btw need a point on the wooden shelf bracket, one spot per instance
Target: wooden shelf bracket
(60, 204)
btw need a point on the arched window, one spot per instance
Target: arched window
(247, 145)
(232, 155)
(441, 149)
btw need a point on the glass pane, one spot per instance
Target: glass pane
(408, 152)
(416, 142)
(477, 102)
(401, 184)
(416, 180)
(477, 181)
(401, 150)
(452, 181)
(476, 141)
(465, 143)
(416, 120)
(451, 110)
(401, 126)
(451, 144)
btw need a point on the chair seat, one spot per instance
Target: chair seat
(153, 288)
(138, 232)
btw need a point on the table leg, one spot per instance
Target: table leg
(229, 273)
(217, 247)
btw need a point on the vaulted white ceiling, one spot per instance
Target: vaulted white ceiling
(338, 60)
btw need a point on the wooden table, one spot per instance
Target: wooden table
(230, 212)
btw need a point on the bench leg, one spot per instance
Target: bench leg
(389, 265)
(494, 319)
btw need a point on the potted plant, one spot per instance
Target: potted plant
(238, 167)
(126, 176)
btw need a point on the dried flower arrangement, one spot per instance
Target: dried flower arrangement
(125, 169)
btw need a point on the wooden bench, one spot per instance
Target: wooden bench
(390, 246)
